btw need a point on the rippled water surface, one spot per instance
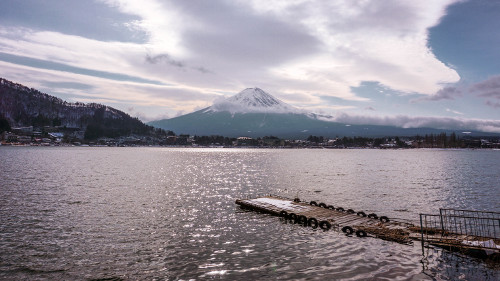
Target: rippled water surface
(82, 213)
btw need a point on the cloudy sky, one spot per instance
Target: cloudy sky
(397, 62)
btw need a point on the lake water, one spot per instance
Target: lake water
(83, 213)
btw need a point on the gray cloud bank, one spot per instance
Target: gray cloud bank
(403, 121)
(488, 89)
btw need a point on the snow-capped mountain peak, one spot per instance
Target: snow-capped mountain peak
(252, 100)
(255, 97)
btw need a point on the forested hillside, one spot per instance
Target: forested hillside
(22, 106)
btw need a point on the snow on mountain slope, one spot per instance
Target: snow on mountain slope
(252, 100)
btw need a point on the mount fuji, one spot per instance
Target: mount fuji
(255, 113)
(252, 100)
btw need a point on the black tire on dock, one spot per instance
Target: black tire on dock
(361, 214)
(322, 205)
(283, 214)
(361, 233)
(340, 209)
(384, 219)
(347, 230)
(330, 207)
(292, 216)
(313, 222)
(313, 203)
(325, 225)
(301, 220)
(373, 216)
(350, 211)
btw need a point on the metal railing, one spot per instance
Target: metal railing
(462, 229)
(471, 223)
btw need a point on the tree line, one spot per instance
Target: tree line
(441, 140)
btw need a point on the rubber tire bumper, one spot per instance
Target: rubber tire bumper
(325, 225)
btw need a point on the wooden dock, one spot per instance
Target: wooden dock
(482, 228)
(321, 215)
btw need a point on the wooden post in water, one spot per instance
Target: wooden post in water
(422, 234)
(441, 219)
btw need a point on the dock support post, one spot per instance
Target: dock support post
(422, 234)
(441, 220)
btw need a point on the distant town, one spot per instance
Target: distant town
(59, 136)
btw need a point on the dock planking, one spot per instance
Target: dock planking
(338, 220)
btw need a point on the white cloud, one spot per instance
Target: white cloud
(70, 49)
(141, 115)
(454, 111)
(384, 41)
(154, 100)
(160, 19)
